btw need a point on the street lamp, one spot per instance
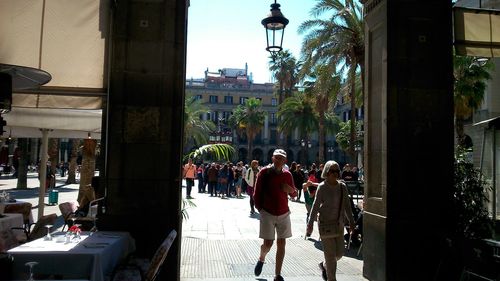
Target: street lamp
(306, 144)
(303, 143)
(274, 24)
(330, 151)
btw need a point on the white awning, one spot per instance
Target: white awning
(476, 32)
(66, 38)
(62, 123)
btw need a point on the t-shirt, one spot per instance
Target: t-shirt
(268, 194)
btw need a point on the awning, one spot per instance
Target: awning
(62, 123)
(63, 37)
(488, 122)
(476, 32)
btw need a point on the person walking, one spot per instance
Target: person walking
(333, 206)
(272, 188)
(298, 178)
(250, 179)
(189, 174)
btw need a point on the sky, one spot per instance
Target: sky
(228, 34)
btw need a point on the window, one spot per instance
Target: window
(228, 99)
(274, 102)
(243, 100)
(226, 115)
(273, 118)
(214, 99)
(198, 97)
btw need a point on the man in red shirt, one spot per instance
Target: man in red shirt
(272, 188)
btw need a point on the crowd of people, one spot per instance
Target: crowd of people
(269, 190)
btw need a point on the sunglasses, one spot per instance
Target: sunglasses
(333, 171)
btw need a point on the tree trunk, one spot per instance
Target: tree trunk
(75, 143)
(53, 158)
(352, 94)
(321, 137)
(22, 174)
(459, 128)
(88, 165)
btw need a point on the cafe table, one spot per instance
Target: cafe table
(92, 258)
(17, 206)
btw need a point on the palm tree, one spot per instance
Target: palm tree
(87, 170)
(470, 82)
(194, 126)
(324, 90)
(297, 112)
(285, 70)
(338, 41)
(250, 118)
(73, 165)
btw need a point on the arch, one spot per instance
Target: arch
(257, 154)
(242, 154)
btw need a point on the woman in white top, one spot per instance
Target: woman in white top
(331, 207)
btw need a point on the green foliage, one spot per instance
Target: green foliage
(297, 112)
(186, 204)
(470, 197)
(194, 126)
(343, 137)
(219, 151)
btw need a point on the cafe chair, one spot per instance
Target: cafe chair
(23, 208)
(39, 228)
(145, 270)
(68, 212)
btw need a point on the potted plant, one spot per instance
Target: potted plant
(472, 222)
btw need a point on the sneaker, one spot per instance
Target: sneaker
(258, 268)
(323, 271)
(278, 278)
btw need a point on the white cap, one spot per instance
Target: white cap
(280, 152)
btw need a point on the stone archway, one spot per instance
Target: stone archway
(257, 154)
(242, 154)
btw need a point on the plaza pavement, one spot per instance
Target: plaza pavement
(220, 238)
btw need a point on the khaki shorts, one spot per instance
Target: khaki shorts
(268, 224)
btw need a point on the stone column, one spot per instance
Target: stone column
(144, 113)
(409, 134)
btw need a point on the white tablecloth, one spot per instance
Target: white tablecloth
(93, 258)
(10, 221)
(17, 203)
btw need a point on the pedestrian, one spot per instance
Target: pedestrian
(250, 179)
(298, 178)
(212, 180)
(189, 174)
(272, 188)
(309, 188)
(331, 206)
(199, 175)
(238, 179)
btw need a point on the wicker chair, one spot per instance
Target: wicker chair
(144, 270)
(39, 228)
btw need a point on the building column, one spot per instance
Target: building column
(142, 139)
(408, 130)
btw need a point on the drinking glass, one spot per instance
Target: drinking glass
(48, 237)
(31, 264)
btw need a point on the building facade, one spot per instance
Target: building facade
(222, 91)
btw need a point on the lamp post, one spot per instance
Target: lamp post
(306, 144)
(330, 151)
(357, 148)
(274, 24)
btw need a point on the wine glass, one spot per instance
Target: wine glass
(31, 264)
(77, 237)
(48, 237)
